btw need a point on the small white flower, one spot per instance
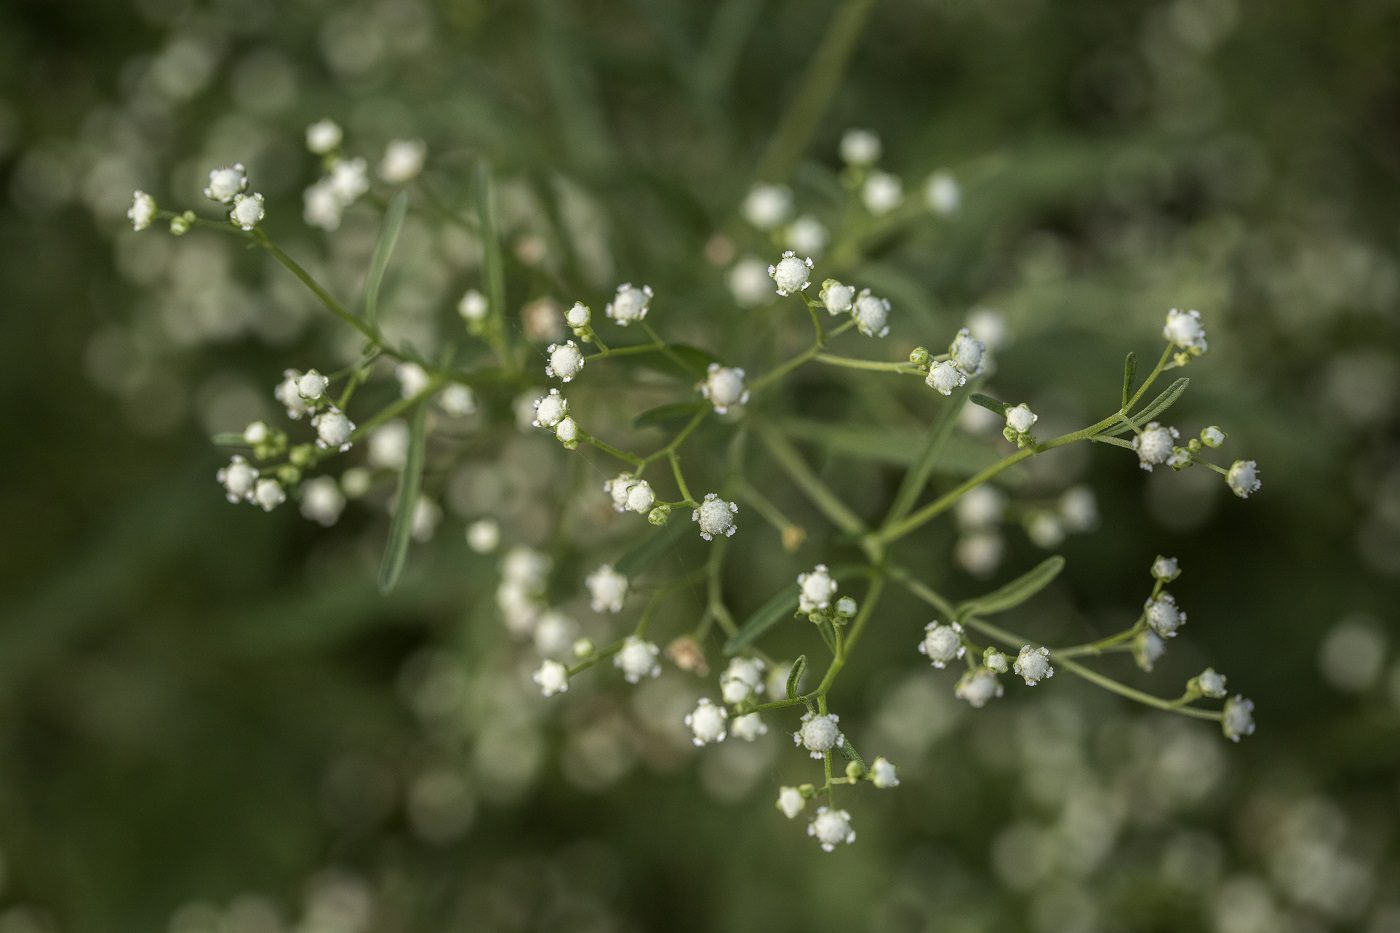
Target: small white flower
(555, 634)
(819, 734)
(567, 433)
(311, 385)
(1079, 509)
(871, 314)
(1154, 445)
(815, 590)
(473, 306)
(1165, 569)
(707, 722)
(484, 535)
(640, 497)
(458, 400)
(268, 494)
(1212, 436)
(860, 147)
(978, 687)
(1243, 478)
(578, 315)
(637, 660)
(942, 193)
(724, 387)
(247, 211)
(790, 801)
(942, 643)
(968, 352)
(552, 677)
(550, 409)
(321, 205)
(413, 379)
(995, 661)
(882, 193)
(1148, 648)
(388, 445)
(767, 206)
(831, 828)
(617, 489)
(1033, 665)
(1163, 615)
(256, 433)
(333, 429)
(846, 607)
(715, 516)
(565, 361)
(1238, 718)
(1044, 529)
(142, 211)
(226, 183)
(806, 234)
(526, 567)
(980, 552)
(629, 304)
(981, 507)
(1021, 419)
(748, 280)
(237, 479)
(741, 680)
(349, 178)
(838, 298)
(1212, 684)
(791, 274)
(403, 160)
(322, 501)
(1185, 331)
(608, 589)
(945, 376)
(882, 773)
(989, 326)
(323, 136)
(748, 727)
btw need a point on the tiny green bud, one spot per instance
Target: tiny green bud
(303, 455)
(288, 474)
(180, 224)
(919, 356)
(854, 770)
(1212, 436)
(583, 648)
(659, 515)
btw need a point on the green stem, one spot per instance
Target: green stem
(824, 499)
(907, 369)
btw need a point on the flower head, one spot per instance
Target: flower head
(226, 183)
(607, 589)
(766, 206)
(1243, 478)
(1237, 719)
(566, 431)
(1154, 445)
(552, 677)
(550, 409)
(1212, 436)
(1166, 569)
(715, 516)
(741, 680)
(724, 387)
(831, 828)
(637, 659)
(269, 494)
(1033, 665)
(978, 687)
(882, 193)
(945, 376)
(629, 304)
(323, 136)
(237, 479)
(142, 211)
(1185, 331)
(1211, 683)
(968, 353)
(819, 734)
(942, 643)
(403, 160)
(860, 147)
(473, 306)
(322, 501)
(871, 314)
(565, 361)
(882, 773)
(942, 193)
(1021, 419)
(333, 429)
(748, 727)
(707, 723)
(578, 315)
(790, 801)
(791, 274)
(1163, 616)
(837, 298)
(815, 590)
(247, 211)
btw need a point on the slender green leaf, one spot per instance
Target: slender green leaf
(989, 403)
(794, 680)
(1158, 405)
(493, 267)
(667, 414)
(1016, 592)
(406, 503)
(1129, 371)
(781, 606)
(653, 546)
(383, 249)
(917, 478)
(230, 439)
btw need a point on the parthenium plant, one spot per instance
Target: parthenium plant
(665, 486)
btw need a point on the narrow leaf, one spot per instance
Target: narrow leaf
(653, 546)
(1129, 371)
(405, 504)
(989, 403)
(492, 263)
(1016, 592)
(794, 680)
(666, 414)
(1158, 405)
(781, 606)
(383, 249)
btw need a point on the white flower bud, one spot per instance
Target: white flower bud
(715, 516)
(978, 687)
(860, 147)
(707, 722)
(1243, 478)
(237, 479)
(968, 353)
(142, 211)
(748, 727)
(791, 274)
(942, 193)
(403, 160)
(819, 734)
(724, 387)
(247, 211)
(629, 304)
(837, 298)
(268, 493)
(312, 385)
(1033, 665)
(815, 590)
(483, 535)
(608, 589)
(1021, 419)
(578, 315)
(1163, 616)
(473, 307)
(637, 660)
(945, 376)
(882, 193)
(942, 643)
(882, 773)
(1154, 445)
(1185, 331)
(323, 136)
(767, 206)
(550, 409)
(1237, 719)
(790, 801)
(322, 501)
(871, 314)
(333, 429)
(831, 828)
(552, 678)
(226, 183)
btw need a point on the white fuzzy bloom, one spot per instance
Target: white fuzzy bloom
(403, 160)
(748, 727)
(1154, 445)
(942, 643)
(791, 274)
(831, 828)
(981, 507)
(1148, 648)
(457, 400)
(945, 376)
(1044, 529)
(1243, 478)
(565, 361)
(323, 136)
(311, 385)
(741, 680)
(724, 387)
(552, 677)
(484, 535)
(333, 429)
(578, 315)
(629, 304)
(942, 193)
(550, 409)
(1185, 331)
(1165, 569)
(1212, 436)
(1163, 615)
(349, 178)
(567, 432)
(637, 659)
(617, 489)
(1021, 419)
(978, 687)
(473, 306)
(1079, 509)
(860, 147)
(806, 234)
(748, 280)
(1212, 684)
(226, 183)
(1238, 718)
(882, 193)
(995, 661)
(608, 589)
(837, 298)
(767, 206)
(321, 205)
(142, 211)
(268, 493)
(640, 497)
(707, 722)
(871, 314)
(248, 211)
(715, 516)
(882, 773)
(1033, 665)
(968, 353)
(322, 501)
(846, 607)
(237, 479)
(413, 379)
(256, 433)
(980, 552)
(790, 801)
(555, 634)
(525, 566)
(819, 734)
(288, 393)
(388, 445)
(815, 590)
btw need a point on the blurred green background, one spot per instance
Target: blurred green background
(211, 722)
